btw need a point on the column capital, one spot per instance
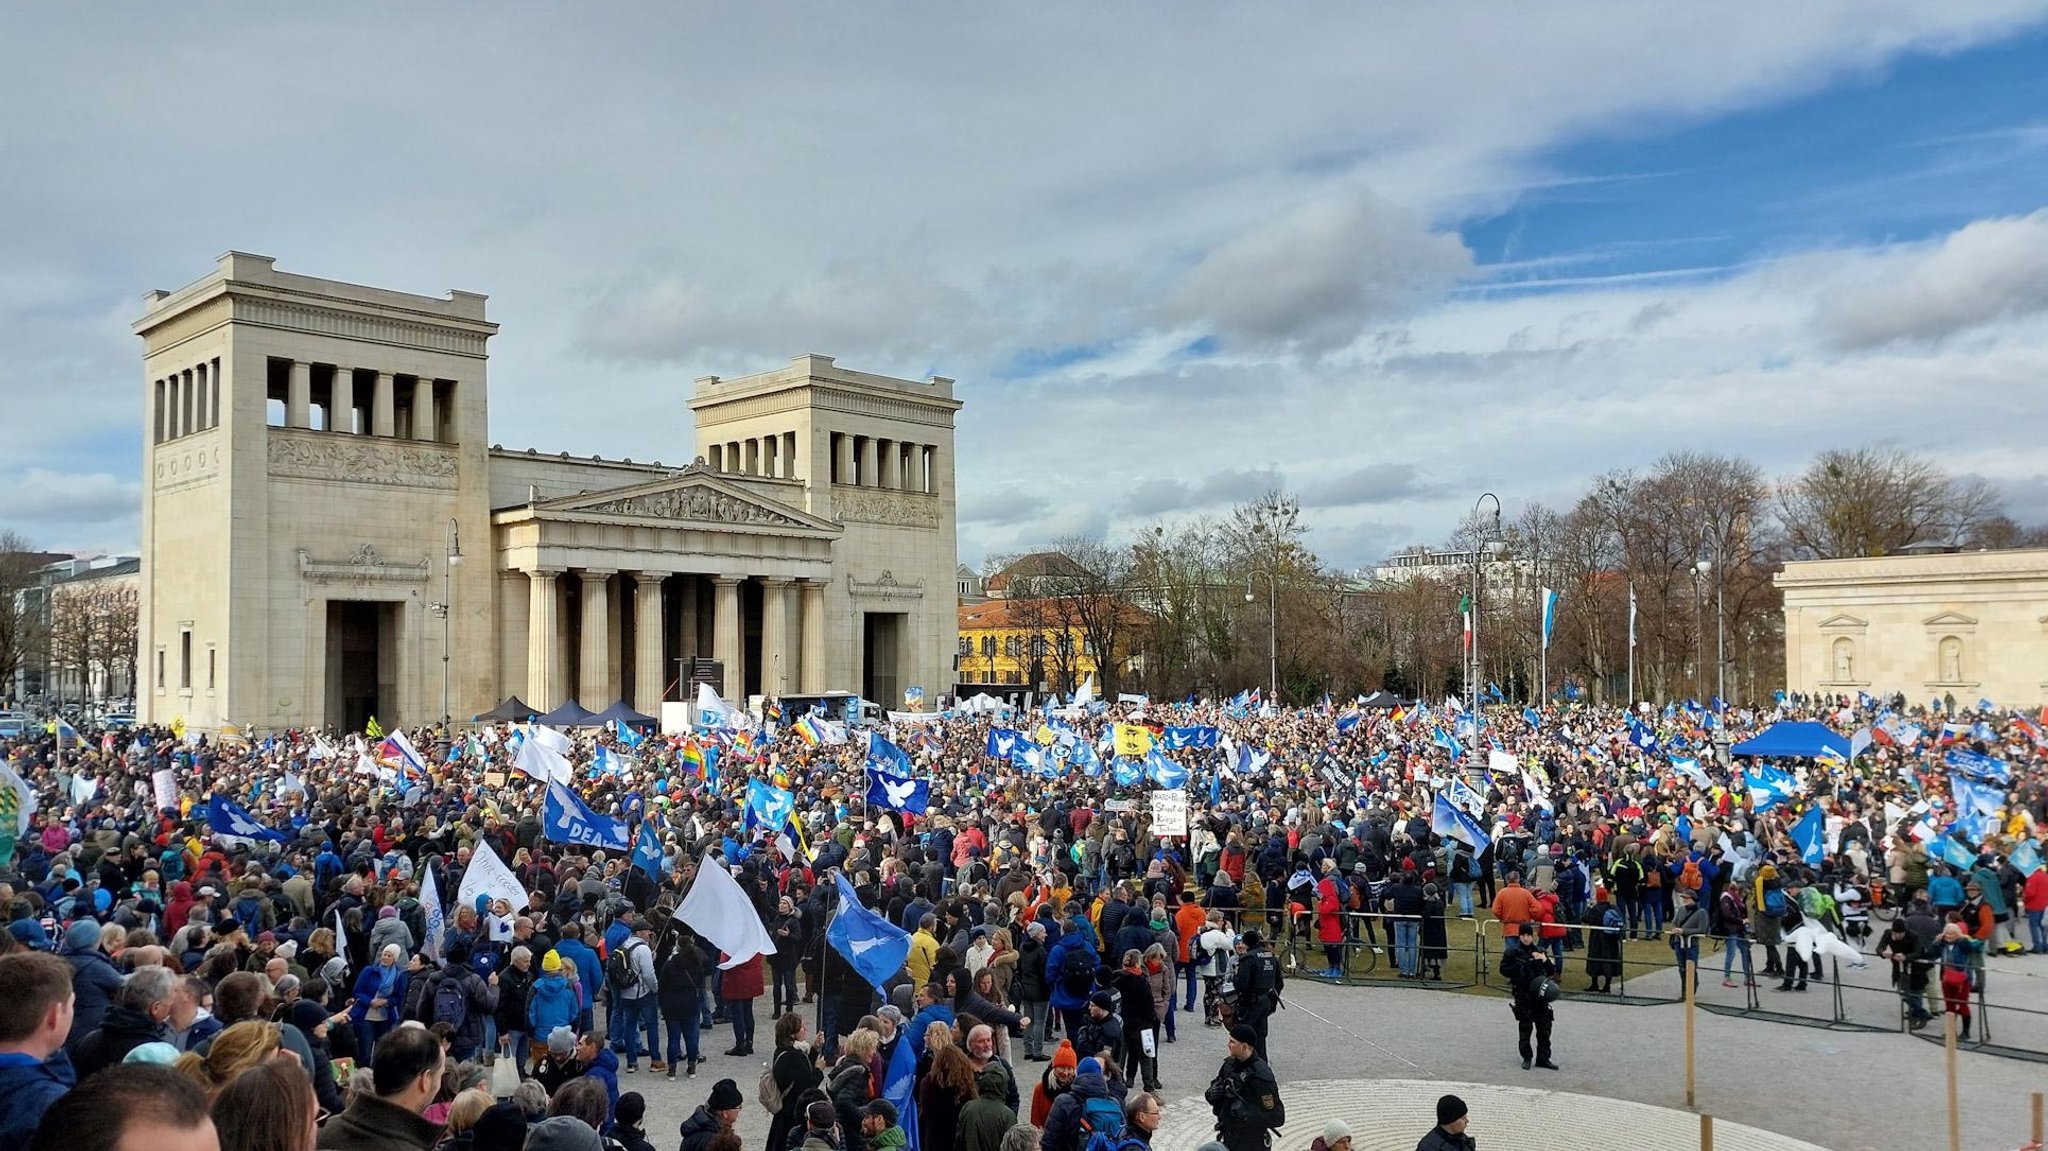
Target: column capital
(775, 581)
(728, 580)
(650, 577)
(596, 573)
(810, 582)
(543, 571)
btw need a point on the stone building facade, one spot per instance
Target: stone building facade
(1960, 625)
(328, 536)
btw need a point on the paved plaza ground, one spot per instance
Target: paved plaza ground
(1838, 1089)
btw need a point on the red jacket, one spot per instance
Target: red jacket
(742, 982)
(2034, 896)
(1329, 912)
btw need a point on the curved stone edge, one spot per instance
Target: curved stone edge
(1393, 1114)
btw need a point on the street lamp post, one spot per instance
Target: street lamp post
(1272, 632)
(1706, 570)
(446, 608)
(1489, 545)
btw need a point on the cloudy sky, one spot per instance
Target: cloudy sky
(1174, 253)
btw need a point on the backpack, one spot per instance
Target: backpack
(1653, 877)
(619, 968)
(769, 1091)
(1102, 1120)
(1689, 875)
(1077, 972)
(451, 1001)
(1775, 904)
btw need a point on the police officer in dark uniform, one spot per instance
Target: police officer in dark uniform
(1259, 983)
(1245, 1096)
(1526, 968)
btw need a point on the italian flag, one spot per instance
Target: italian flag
(1465, 609)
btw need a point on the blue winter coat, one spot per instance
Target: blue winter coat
(27, 1088)
(589, 968)
(1055, 962)
(550, 1003)
(366, 989)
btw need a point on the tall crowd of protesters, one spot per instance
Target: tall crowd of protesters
(321, 979)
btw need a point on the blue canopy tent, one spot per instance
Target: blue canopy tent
(513, 710)
(1794, 739)
(570, 714)
(620, 713)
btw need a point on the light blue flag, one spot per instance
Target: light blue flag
(1978, 767)
(229, 818)
(1769, 787)
(1811, 833)
(769, 806)
(627, 737)
(1216, 787)
(874, 946)
(1002, 742)
(1955, 854)
(1974, 798)
(1088, 760)
(899, 1086)
(1549, 615)
(569, 821)
(1165, 772)
(1446, 820)
(607, 762)
(886, 757)
(647, 851)
(1690, 769)
(1126, 771)
(2026, 858)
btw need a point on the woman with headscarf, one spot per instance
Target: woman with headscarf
(379, 999)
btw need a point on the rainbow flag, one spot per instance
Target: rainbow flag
(807, 727)
(693, 760)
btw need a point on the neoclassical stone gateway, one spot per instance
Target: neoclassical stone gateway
(1959, 626)
(326, 535)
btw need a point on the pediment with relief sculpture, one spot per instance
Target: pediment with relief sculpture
(689, 497)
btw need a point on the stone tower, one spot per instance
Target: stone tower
(313, 456)
(875, 454)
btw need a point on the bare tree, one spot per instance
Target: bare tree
(1095, 603)
(92, 630)
(23, 619)
(1872, 501)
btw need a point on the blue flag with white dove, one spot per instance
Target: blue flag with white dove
(874, 946)
(568, 820)
(898, 793)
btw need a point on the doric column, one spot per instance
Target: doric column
(869, 476)
(384, 408)
(686, 618)
(812, 622)
(542, 636)
(843, 465)
(649, 666)
(788, 456)
(423, 422)
(885, 463)
(777, 672)
(341, 410)
(594, 678)
(298, 402)
(726, 643)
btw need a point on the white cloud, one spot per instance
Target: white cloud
(1989, 271)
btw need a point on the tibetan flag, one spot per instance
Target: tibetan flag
(399, 752)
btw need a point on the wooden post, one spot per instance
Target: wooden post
(2040, 1135)
(1955, 1115)
(1706, 1132)
(1685, 975)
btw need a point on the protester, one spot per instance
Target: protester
(133, 1107)
(1449, 1132)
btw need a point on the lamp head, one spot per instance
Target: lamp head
(1704, 567)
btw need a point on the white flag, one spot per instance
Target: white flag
(488, 875)
(437, 918)
(722, 913)
(539, 761)
(25, 796)
(340, 936)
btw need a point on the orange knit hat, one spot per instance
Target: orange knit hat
(1065, 1056)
